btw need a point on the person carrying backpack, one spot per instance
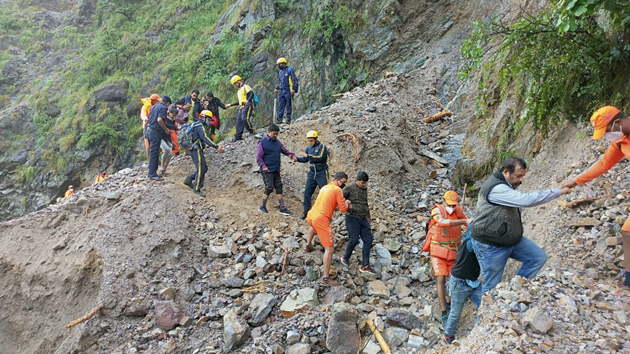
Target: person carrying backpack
(443, 237)
(287, 88)
(246, 102)
(193, 137)
(212, 104)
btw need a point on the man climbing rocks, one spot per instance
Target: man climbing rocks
(156, 131)
(200, 139)
(69, 192)
(246, 107)
(101, 176)
(330, 197)
(212, 104)
(268, 158)
(497, 233)
(614, 126)
(191, 104)
(317, 156)
(358, 222)
(147, 103)
(463, 284)
(287, 88)
(443, 237)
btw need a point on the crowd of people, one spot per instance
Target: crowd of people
(465, 266)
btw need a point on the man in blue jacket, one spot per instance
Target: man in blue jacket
(287, 87)
(268, 158)
(200, 139)
(317, 156)
(156, 131)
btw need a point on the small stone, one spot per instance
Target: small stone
(293, 337)
(311, 273)
(234, 282)
(392, 245)
(396, 336)
(59, 246)
(378, 288)
(538, 320)
(244, 216)
(136, 310)
(167, 315)
(222, 251)
(402, 318)
(167, 294)
(337, 294)
(261, 307)
(612, 241)
(300, 348)
(185, 321)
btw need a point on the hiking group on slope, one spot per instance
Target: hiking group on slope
(465, 267)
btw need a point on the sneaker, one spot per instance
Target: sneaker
(258, 136)
(361, 244)
(309, 248)
(449, 339)
(263, 209)
(303, 216)
(199, 193)
(156, 178)
(285, 211)
(344, 261)
(188, 181)
(367, 269)
(329, 282)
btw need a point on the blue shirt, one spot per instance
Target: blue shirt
(503, 194)
(157, 111)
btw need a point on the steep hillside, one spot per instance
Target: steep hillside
(73, 71)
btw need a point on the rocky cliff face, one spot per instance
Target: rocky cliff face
(61, 133)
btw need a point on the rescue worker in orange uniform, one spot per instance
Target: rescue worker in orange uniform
(330, 197)
(69, 192)
(614, 126)
(147, 103)
(101, 176)
(443, 237)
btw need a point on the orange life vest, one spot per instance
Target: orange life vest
(444, 240)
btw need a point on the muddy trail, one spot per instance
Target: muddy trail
(177, 273)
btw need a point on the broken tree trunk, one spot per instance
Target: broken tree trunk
(438, 116)
(85, 318)
(379, 337)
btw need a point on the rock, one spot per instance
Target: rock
(392, 245)
(59, 246)
(396, 336)
(384, 257)
(371, 109)
(299, 301)
(185, 321)
(402, 318)
(577, 222)
(430, 154)
(234, 282)
(337, 294)
(372, 347)
(291, 244)
(293, 337)
(260, 262)
(538, 320)
(276, 349)
(261, 307)
(222, 251)
(507, 295)
(167, 315)
(244, 216)
(167, 294)
(343, 336)
(311, 273)
(110, 93)
(612, 241)
(300, 348)
(136, 310)
(402, 290)
(378, 288)
(235, 330)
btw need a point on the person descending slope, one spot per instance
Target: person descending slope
(317, 156)
(287, 88)
(199, 140)
(246, 103)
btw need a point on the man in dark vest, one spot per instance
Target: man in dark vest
(268, 158)
(497, 233)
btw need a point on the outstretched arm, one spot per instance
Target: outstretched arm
(506, 196)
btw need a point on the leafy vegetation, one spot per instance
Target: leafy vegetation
(561, 63)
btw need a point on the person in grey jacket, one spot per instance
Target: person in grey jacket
(358, 221)
(497, 233)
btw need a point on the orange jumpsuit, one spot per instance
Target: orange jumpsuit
(443, 239)
(144, 115)
(616, 152)
(69, 192)
(330, 196)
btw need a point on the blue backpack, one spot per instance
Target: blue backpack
(185, 138)
(255, 99)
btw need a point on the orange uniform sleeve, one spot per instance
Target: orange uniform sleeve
(340, 201)
(610, 158)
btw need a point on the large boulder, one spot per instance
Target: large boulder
(261, 307)
(342, 336)
(235, 330)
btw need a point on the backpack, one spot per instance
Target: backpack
(255, 99)
(185, 138)
(215, 121)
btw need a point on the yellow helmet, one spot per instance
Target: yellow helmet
(206, 113)
(235, 78)
(312, 134)
(281, 60)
